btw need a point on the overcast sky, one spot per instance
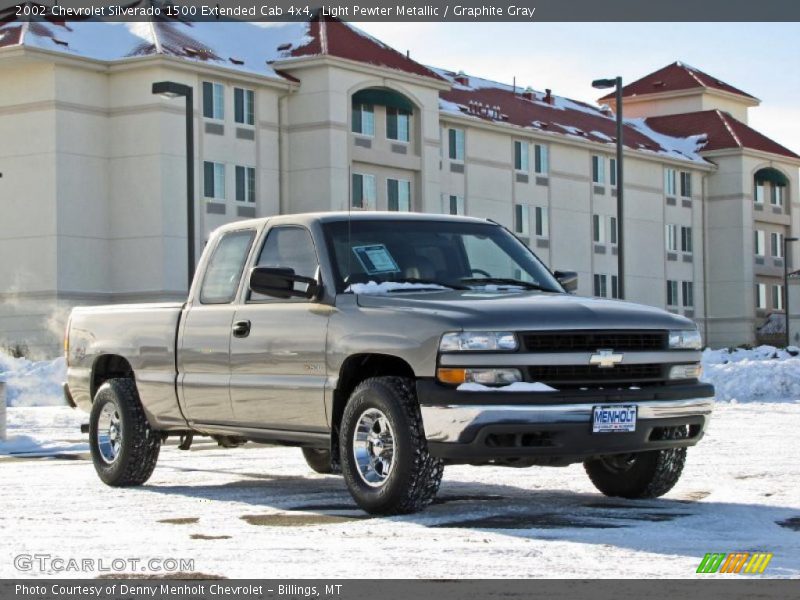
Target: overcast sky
(763, 59)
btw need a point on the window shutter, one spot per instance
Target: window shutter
(393, 194)
(452, 143)
(357, 118)
(208, 179)
(358, 194)
(391, 124)
(251, 184)
(238, 105)
(208, 100)
(240, 195)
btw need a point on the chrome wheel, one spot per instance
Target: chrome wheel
(373, 447)
(109, 433)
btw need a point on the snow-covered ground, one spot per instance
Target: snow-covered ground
(258, 511)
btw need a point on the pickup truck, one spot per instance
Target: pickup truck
(385, 346)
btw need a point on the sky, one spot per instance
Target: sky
(763, 59)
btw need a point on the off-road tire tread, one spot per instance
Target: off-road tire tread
(428, 470)
(144, 445)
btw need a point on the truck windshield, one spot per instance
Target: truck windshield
(451, 254)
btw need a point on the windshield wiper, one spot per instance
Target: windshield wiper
(431, 282)
(506, 281)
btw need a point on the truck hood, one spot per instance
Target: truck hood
(526, 310)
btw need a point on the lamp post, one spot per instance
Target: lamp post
(171, 89)
(602, 84)
(786, 241)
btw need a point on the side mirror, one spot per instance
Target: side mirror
(567, 279)
(279, 282)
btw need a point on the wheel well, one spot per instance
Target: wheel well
(109, 366)
(356, 369)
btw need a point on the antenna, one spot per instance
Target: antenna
(349, 201)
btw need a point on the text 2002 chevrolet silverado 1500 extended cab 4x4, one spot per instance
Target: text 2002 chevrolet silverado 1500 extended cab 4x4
(386, 346)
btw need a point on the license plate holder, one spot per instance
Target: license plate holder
(614, 418)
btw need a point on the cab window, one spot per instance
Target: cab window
(224, 270)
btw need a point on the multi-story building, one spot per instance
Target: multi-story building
(319, 116)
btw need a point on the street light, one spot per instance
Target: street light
(170, 90)
(786, 241)
(602, 84)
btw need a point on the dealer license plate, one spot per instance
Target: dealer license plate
(613, 419)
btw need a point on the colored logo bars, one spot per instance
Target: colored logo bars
(735, 562)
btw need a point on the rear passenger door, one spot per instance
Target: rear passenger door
(204, 348)
(278, 369)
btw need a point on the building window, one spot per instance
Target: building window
(541, 159)
(669, 182)
(364, 191)
(452, 204)
(686, 239)
(245, 184)
(612, 171)
(522, 218)
(598, 230)
(686, 184)
(399, 195)
(213, 100)
(758, 193)
(672, 292)
(541, 222)
(364, 119)
(777, 297)
(521, 156)
(671, 238)
(761, 296)
(398, 124)
(455, 144)
(760, 242)
(776, 244)
(598, 169)
(612, 230)
(600, 285)
(244, 106)
(687, 289)
(214, 180)
(777, 195)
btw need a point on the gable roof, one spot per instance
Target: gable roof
(499, 103)
(722, 131)
(333, 37)
(674, 77)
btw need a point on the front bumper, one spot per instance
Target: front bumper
(556, 427)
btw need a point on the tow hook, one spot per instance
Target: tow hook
(186, 441)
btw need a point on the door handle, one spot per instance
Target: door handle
(241, 329)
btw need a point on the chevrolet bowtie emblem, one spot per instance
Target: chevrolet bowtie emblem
(605, 359)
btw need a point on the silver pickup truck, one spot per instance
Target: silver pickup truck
(386, 346)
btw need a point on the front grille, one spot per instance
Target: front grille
(594, 375)
(591, 341)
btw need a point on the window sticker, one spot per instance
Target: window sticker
(375, 259)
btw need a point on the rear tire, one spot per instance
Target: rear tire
(383, 450)
(124, 448)
(318, 459)
(641, 475)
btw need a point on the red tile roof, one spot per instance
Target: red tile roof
(496, 102)
(677, 76)
(721, 129)
(333, 37)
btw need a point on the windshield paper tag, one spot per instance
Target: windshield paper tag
(375, 259)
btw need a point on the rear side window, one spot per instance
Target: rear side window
(225, 267)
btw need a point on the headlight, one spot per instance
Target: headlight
(482, 376)
(475, 341)
(688, 339)
(685, 372)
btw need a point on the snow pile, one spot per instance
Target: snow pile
(386, 287)
(33, 383)
(44, 431)
(675, 147)
(762, 374)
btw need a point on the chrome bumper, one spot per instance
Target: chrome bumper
(448, 423)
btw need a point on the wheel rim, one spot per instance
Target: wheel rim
(373, 447)
(109, 433)
(618, 463)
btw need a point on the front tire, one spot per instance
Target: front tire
(641, 475)
(383, 450)
(124, 448)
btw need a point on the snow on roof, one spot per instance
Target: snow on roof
(240, 46)
(492, 101)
